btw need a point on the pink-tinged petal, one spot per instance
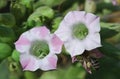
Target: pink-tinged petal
(56, 44)
(40, 32)
(114, 2)
(29, 62)
(92, 41)
(23, 43)
(94, 26)
(74, 47)
(49, 62)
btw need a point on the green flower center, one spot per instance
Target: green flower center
(80, 31)
(39, 49)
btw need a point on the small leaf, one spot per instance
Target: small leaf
(27, 3)
(19, 11)
(5, 51)
(110, 50)
(41, 16)
(56, 23)
(7, 19)
(45, 11)
(15, 55)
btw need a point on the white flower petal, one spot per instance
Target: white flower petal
(92, 41)
(89, 18)
(74, 47)
(63, 32)
(75, 16)
(94, 26)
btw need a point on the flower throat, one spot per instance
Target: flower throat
(39, 49)
(80, 31)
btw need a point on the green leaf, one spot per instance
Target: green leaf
(45, 11)
(19, 11)
(27, 3)
(49, 3)
(71, 72)
(30, 75)
(15, 55)
(5, 51)
(40, 16)
(6, 35)
(110, 50)
(4, 70)
(56, 23)
(7, 19)
(109, 30)
(107, 33)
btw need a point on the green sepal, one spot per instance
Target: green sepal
(16, 55)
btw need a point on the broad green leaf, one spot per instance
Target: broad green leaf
(107, 33)
(5, 51)
(15, 55)
(110, 50)
(6, 34)
(109, 30)
(7, 19)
